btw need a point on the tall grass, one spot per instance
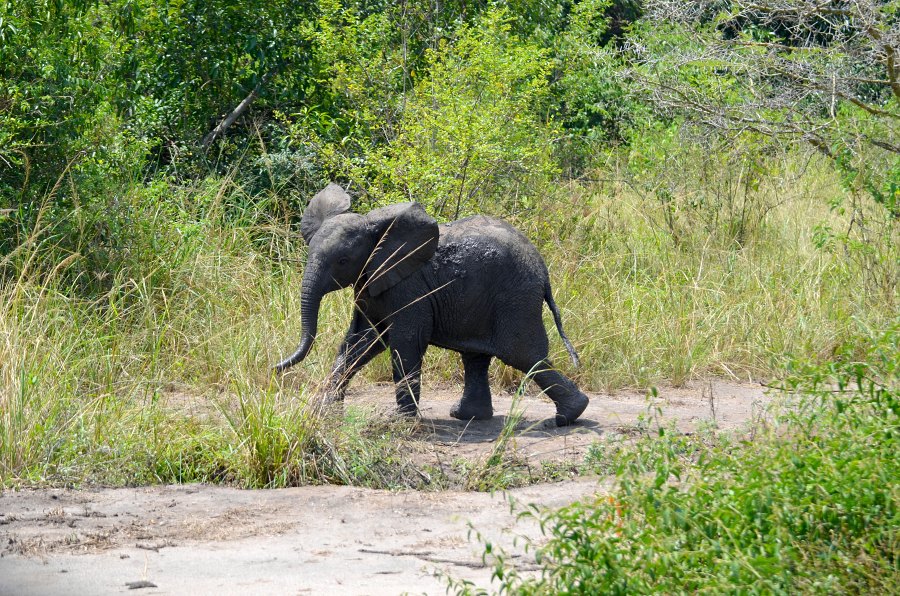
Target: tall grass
(165, 374)
(645, 305)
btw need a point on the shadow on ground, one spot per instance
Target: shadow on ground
(725, 405)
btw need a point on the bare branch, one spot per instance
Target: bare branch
(236, 113)
(781, 68)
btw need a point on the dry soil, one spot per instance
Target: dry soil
(198, 539)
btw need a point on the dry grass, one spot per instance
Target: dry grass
(84, 381)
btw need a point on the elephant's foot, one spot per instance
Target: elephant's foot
(407, 407)
(568, 410)
(470, 409)
(333, 395)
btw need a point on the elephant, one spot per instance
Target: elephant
(476, 286)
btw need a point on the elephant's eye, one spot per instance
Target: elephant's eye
(343, 260)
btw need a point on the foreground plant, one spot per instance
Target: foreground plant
(810, 504)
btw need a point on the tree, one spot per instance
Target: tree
(826, 72)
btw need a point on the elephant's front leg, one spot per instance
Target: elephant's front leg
(406, 361)
(361, 344)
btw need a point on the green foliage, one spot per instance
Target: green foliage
(184, 83)
(787, 72)
(726, 187)
(472, 136)
(810, 504)
(462, 128)
(95, 95)
(449, 103)
(464, 105)
(592, 96)
(65, 147)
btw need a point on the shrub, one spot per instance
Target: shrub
(473, 135)
(808, 505)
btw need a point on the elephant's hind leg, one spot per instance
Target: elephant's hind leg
(527, 351)
(476, 398)
(570, 401)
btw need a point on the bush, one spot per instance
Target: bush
(810, 504)
(726, 186)
(593, 97)
(472, 136)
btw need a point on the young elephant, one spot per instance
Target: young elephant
(476, 286)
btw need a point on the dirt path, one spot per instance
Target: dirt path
(320, 540)
(537, 436)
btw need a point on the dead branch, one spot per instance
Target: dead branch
(236, 113)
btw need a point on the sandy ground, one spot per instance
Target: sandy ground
(201, 539)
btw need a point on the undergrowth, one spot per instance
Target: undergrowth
(809, 503)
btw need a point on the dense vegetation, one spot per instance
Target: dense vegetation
(715, 187)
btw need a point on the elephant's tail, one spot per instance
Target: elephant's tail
(548, 296)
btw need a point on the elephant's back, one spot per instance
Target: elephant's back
(489, 284)
(480, 242)
(481, 253)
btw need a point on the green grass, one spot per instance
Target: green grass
(165, 374)
(93, 390)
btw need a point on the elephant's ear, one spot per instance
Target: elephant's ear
(328, 202)
(405, 239)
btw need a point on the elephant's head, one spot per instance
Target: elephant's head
(371, 252)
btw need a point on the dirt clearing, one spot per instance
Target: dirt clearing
(325, 539)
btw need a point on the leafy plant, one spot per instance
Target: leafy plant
(473, 137)
(809, 504)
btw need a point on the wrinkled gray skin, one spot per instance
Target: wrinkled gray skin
(476, 286)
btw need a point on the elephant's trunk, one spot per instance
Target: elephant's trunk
(310, 299)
